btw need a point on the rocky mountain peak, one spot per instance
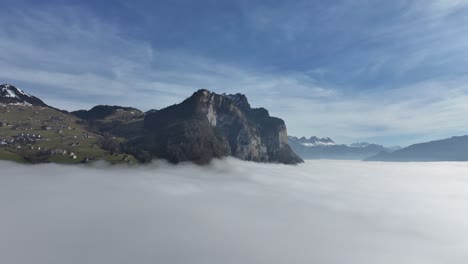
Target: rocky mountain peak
(240, 100)
(209, 125)
(10, 94)
(10, 91)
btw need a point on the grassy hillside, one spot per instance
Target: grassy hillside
(124, 122)
(6, 155)
(42, 134)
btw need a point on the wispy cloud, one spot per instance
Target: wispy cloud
(441, 8)
(81, 55)
(340, 69)
(411, 114)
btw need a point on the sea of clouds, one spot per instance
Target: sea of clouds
(235, 212)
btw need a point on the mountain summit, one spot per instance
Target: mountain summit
(9, 94)
(204, 126)
(209, 125)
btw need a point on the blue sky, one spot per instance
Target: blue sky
(391, 72)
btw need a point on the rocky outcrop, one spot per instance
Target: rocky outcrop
(208, 125)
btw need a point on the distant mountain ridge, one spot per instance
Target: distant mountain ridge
(450, 149)
(359, 144)
(312, 141)
(102, 111)
(326, 148)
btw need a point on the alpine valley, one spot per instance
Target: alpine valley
(204, 126)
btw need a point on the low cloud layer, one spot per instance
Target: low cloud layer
(235, 212)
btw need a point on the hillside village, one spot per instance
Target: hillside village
(31, 133)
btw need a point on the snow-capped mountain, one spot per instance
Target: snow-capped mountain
(10, 94)
(312, 141)
(359, 145)
(326, 148)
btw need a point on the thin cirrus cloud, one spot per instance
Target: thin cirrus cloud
(234, 212)
(377, 73)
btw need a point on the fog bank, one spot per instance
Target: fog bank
(235, 212)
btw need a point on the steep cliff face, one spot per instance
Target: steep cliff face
(208, 125)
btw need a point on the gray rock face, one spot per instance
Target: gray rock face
(208, 125)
